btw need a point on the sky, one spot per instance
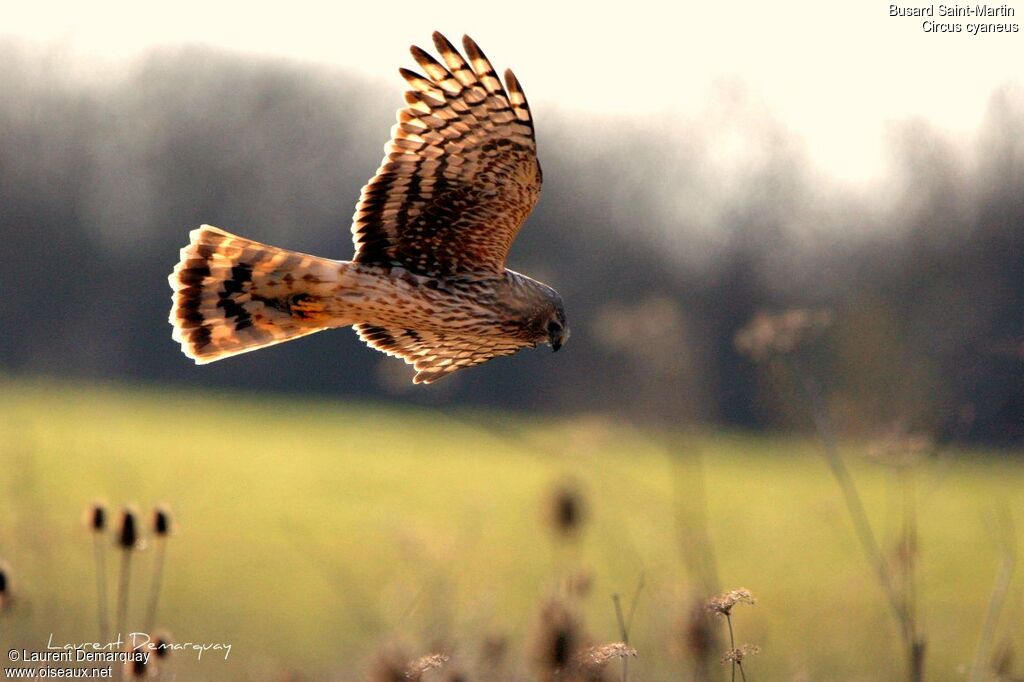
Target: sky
(839, 75)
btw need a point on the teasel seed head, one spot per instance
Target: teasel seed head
(137, 668)
(162, 644)
(557, 640)
(97, 517)
(128, 534)
(5, 586)
(161, 521)
(699, 639)
(566, 510)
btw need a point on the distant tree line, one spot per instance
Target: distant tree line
(661, 254)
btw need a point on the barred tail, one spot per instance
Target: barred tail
(233, 295)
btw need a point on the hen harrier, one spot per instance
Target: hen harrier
(432, 230)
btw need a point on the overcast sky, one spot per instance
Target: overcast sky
(835, 74)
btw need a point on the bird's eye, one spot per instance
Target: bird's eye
(554, 328)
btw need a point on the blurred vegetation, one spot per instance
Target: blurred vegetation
(662, 246)
(310, 533)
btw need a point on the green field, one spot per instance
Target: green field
(309, 532)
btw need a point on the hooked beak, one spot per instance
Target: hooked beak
(557, 341)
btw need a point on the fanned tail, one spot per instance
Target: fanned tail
(233, 295)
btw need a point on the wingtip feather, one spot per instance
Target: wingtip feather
(483, 67)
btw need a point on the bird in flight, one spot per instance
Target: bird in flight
(432, 230)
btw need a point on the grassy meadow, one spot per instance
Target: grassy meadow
(309, 533)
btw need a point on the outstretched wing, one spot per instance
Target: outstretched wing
(460, 173)
(436, 355)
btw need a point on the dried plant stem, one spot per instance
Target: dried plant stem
(862, 525)
(99, 547)
(732, 647)
(122, 596)
(915, 645)
(623, 633)
(854, 504)
(909, 539)
(154, 588)
(1007, 564)
(696, 545)
(625, 624)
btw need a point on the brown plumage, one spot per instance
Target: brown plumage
(432, 230)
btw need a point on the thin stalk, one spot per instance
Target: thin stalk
(732, 645)
(861, 523)
(122, 597)
(695, 543)
(909, 544)
(626, 624)
(915, 645)
(624, 633)
(154, 588)
(695, 540)
(99, 547)
(854, 504)
(732, 650)
(998, 598)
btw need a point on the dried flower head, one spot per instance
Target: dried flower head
(737, 655)
(899, 448)
(723, 603)
(769, 334)
(128, 534)
(161, 521)
(422, 664)
(558, 638)
(566, 510)
(599, 656)
(96, 517)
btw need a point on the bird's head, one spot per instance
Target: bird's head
(556, 327)
(539, 309)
